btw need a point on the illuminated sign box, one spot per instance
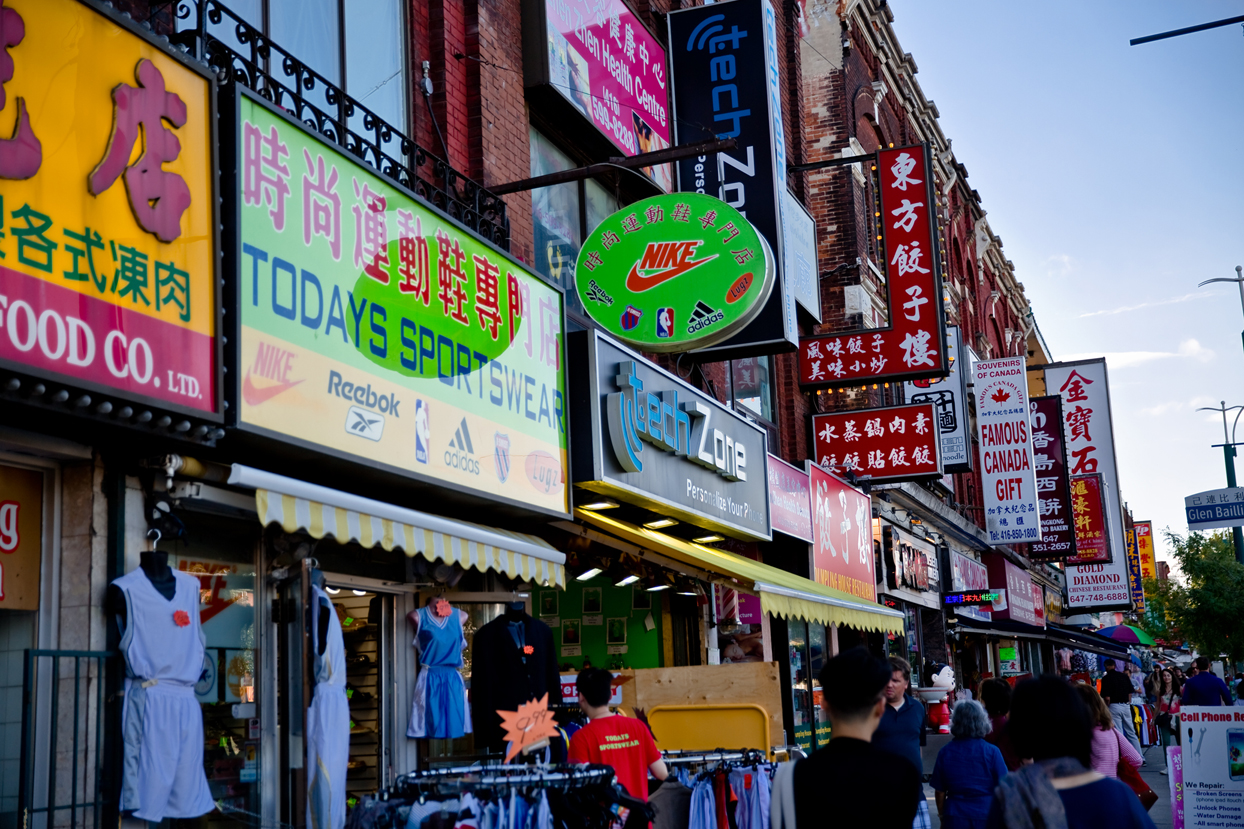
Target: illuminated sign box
(974, 598)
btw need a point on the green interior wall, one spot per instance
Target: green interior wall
(643, 646)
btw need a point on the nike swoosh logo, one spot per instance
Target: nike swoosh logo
(637, 282)
(253, 395)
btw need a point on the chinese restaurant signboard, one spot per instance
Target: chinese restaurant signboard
(1049, 459)
(374, 328)
(1093, 584)
(1088, 509)
(842, 553)
(790, 499)
(914, 346)
(674, 272)
(1088, 434)
(725, 82)
(1134, 582)
(107, 196)
(600, 58)
(646, 437)
(949, 395)
(897, 443)
(1004, 432)
(1144, 546)
(21, 536)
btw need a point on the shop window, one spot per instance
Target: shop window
(800, 682)
(17, 633)
(818, 653)
(750, 386)
(354, 44)
(563, 216)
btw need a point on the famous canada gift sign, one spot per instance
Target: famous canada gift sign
(1004, 433)
(108, 205)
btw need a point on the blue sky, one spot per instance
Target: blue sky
(1113, 174)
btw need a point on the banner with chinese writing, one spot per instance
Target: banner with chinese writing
(374, 328)
(1088, 434)
(1008, 481)
(1089, 512)
(913, 347)
(842, 552)
(790, 499)
(896, 443)
(950, 395)
(1049, 459)
(1144, 546)
(1133, 571)
(107, 199)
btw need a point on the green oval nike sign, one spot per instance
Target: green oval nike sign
(674, 272)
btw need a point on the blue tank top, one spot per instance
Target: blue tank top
(440, 642)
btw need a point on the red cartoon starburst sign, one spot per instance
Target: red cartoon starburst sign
(531, 723)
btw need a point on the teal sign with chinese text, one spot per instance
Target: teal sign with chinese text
(674, 272)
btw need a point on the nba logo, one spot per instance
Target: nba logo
(423, 431)
(665, 322)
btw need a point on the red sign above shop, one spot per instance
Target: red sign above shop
(1092, 536)
(790, 500)
(914, 346)
(897, 443)
(1018, 603)
(842, 552)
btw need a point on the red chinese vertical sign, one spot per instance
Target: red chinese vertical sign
(913, 347)
(842, 551)
(1092, 536)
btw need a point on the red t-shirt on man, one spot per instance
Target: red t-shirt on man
(622, 742)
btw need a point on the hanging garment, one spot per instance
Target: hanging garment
(751, 787)
(516, 811)
(469, 813)
(504, 677)
(439, 708)
(420, 812)
(721, 795)
(673, 805)
(703, 805)
(328, 722)
(542, 816)
(162, 723)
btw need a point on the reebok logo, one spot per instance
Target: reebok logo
(597, 294)
(461, 452)
(364, 424)
(661, 262)
(363, 395)
(702, 316)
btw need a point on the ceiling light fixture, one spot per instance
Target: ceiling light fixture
(709, 539)
(603, 503)
(658, 587)
(359, 592)
(660, 523)
(333, 591)
(590, 573)
(628, 580)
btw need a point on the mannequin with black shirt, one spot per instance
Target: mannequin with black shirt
(512, 662)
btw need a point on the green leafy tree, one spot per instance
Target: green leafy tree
(1206, 608)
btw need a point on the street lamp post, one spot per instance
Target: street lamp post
(1239, 281)
(1228, 451)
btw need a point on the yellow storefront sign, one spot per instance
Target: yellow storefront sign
(108, 243)
(21, 537)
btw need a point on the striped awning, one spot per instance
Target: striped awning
(319, 511)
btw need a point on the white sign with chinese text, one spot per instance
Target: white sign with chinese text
(1004, 432)
(1088, 432)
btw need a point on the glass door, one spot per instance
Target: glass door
(294, 689)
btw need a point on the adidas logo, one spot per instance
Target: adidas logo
(597, 294)
(460, 453)
(702, 316)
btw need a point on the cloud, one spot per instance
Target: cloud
(1131, 359)
(1058, 265)
(1171, 301)
(1171, 406)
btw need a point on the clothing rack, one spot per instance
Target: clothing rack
(471, 778)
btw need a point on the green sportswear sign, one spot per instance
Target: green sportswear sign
(674, 272)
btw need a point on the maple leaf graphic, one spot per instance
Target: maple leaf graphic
(1001, 396)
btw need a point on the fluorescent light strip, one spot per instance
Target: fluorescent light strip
(589, 574)
(627, 580)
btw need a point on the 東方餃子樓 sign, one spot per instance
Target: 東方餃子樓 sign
(674, 272)
(374, 328)
(108, 204)
(1215, 509)
(913, 347)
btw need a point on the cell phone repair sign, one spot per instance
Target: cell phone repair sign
(1213, 765)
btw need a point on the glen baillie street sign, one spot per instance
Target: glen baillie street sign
(1215, 509)
(674, 272)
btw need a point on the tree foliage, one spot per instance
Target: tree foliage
(1206, 609)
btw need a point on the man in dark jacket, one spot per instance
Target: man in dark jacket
(902, 727)
(1205, 688)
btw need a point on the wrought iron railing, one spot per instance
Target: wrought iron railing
(242, 54)
(62, 753)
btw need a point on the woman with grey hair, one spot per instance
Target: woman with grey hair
(967, 770)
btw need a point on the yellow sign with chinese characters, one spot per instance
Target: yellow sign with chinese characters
(107, 208)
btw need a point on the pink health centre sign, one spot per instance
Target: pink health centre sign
(611, 68)
(790, 499)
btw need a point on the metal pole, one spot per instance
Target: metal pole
(1239, 280)
(1228, 457)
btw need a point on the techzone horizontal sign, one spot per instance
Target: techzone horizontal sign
(914, 346)
(897, 443)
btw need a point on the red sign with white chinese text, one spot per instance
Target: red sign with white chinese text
(897, 443)
(842, 552)
(913, 347)
(1049, 459)
(1092, 535)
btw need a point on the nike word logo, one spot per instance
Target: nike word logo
(254, 395)
(661, 262)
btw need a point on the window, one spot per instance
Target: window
(354, 44)
(563, 216)
(750, 387)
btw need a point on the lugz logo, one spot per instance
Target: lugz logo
(271, 363)
(461, 452)
(423, 430)
(702, 317)
(634, 415)
(364, 424)
(597, 294)
(502, 458)
(661, 262)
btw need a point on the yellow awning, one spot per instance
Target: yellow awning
(781, 593)
(319, 511)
